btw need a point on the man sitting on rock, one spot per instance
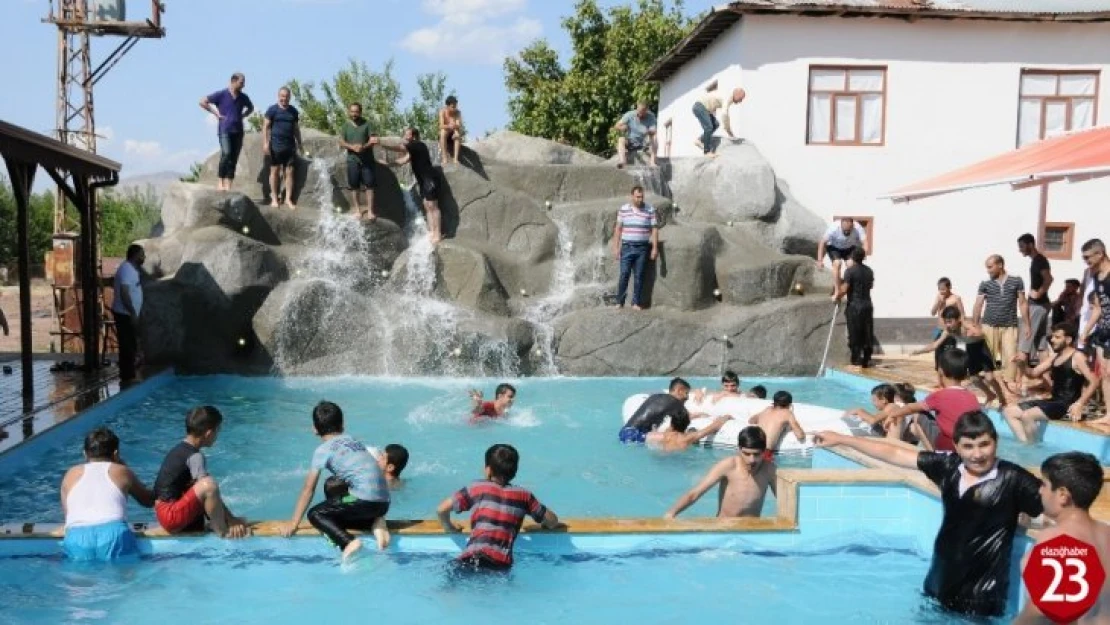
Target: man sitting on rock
(637, 129)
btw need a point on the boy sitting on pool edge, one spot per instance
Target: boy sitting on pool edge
(499, 511)
(349, 460)
(503, 397)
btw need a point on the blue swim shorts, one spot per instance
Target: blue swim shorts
(104, 542)
(632, 435)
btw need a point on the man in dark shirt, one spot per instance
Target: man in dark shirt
(420, 160)
(1034, 342)
(655, 409)
(232, 107)
(982, 497)
(281, 140)
(860, 314)
(185, 493)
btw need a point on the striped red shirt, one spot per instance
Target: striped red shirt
(499, 512)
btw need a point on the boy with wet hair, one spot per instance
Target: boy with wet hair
(1070, 484)
(503, 397)
(680, 436)
(980, 361)
(498, 508)
(743, 479)
(367, 502)
(982, 497)
(775, 419)
(946, 404)
(185, 492)
(758, 391)
(94, 501)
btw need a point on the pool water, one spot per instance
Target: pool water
(299, 582)
(564, 428)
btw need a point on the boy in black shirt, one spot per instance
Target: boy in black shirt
(860, 314)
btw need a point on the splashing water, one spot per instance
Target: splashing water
(340, 253)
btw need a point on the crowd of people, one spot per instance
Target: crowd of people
(282, 143)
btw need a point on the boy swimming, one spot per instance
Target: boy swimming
(503, 397)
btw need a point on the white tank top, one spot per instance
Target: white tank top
(95, 498)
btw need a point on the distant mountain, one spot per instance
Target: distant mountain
(154, 183)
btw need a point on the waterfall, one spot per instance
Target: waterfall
(339, 254)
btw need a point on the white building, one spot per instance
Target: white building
(851, 100)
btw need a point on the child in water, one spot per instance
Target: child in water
(503, 399)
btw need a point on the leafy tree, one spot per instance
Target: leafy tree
(612, 50)
(195, 171)
(323, 105)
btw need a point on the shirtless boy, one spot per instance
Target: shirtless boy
(450, 129)
(776, 418)
(503, 397)
(1070, 484)
(744, 479)
(676, 437)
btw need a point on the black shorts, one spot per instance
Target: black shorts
(836, 253)
(979, 358)
(949, 343)
(282, 158)
(429, 191)
(360, 175)
(1052, 408)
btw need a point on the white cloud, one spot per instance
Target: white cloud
(148, 156)
(211, 120)
(473, 30)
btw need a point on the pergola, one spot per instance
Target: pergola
(24, 152)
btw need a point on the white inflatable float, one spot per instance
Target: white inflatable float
(812, 419)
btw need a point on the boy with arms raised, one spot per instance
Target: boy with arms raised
(366, 504)
(499, 511)
(503, 397)
(982, 497)
(743, 479)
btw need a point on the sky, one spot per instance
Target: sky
(147, 111)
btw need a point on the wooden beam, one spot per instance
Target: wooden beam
(22, 175)
(90, 277)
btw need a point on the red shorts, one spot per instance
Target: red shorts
(768, 455)
(182, 514)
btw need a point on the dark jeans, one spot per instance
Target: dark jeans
(128, 345)
(861, 326)
(230, 146)
(709, 125)
(334, 517)
(634, 257)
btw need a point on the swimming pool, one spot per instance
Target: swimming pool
(565, 429)
(644, 579)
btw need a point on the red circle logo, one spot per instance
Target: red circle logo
(1064, 577)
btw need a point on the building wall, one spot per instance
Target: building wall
(951, 99)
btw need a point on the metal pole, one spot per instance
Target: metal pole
(828, 341)
(22, 177)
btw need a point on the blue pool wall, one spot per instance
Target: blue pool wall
(77, 426)
(1056, 435)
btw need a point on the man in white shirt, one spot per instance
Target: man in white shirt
(127, 305)
(839, 242)
(706, 110)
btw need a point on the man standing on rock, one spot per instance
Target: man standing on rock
(705, 109)
(127, 304)
(232, 107)
(359, 141)
(416, 153)
(860, 314)
(635, 241)
(839, 243)
(281, 140)
(637, 129)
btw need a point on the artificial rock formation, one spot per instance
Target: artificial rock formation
(522, 284)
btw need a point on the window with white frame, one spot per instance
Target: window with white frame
(1054, 102)
(847, 105)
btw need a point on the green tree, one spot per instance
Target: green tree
(323, 105)
(611, 52)
(41, 225)
(195, 171)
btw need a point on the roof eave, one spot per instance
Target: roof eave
(22, 144)
(723, 17)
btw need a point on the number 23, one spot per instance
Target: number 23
(1080, 577)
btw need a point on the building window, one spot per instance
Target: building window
(1057, 240)
(667, 127)
(1055, 102)
(847, 106)
(868, 224)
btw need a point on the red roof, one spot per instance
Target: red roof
(1076, 156)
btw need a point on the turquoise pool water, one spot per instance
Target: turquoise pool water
(659, 581)
(564, 428)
